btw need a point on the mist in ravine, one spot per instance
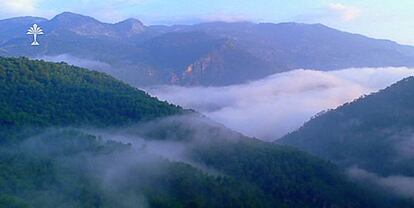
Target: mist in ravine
(128, 158)
(271, 107)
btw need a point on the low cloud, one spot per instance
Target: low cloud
(156, 137)
(85, 63)
(271, 107)
(148, 145)
(127, 74)
(397, 184)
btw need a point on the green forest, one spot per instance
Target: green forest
(43, 94)
(373, 132)
(48, 159)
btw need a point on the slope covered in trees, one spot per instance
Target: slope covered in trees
(40, 94)
(179, 161)
(374, 133)
(70, 168)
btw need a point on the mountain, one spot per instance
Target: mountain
(43, 94)
(12, 28)
(130, 27)
(39, 94)
(373, 133)
(88, 26)
(86, 152)
(215, 53)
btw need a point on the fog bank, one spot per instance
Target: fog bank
(271, 107)
(396, 184)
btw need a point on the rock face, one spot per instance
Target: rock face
(130, 27)
(218, 53)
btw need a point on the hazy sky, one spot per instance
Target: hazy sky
(390, 19)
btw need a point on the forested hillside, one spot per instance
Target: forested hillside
(374, 132)
(101, 143)
(45, 94)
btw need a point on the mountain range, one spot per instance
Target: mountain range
(72, 137)
(208, 54)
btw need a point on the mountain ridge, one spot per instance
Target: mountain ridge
(127, 46)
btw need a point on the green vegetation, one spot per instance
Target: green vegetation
(66, 168)
(74, 170)
(44, 94)
(56, 166)
(284, 175)
(374, 132)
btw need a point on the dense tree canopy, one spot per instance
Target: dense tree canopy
(70, 167)
(44, 94)
(374, 132)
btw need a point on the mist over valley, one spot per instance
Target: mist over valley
(100, 109)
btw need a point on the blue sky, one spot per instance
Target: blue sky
(389, 19)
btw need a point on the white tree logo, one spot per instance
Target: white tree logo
(35, 30)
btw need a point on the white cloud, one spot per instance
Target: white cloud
(19, 5)
(273, 106)
(13, 7)
(17, 8)
(347, 13)
(86, 63)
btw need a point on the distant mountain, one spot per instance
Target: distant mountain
(374, 133)
(214, 53)
(13, 28)
(88, 26)
(78, 168)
